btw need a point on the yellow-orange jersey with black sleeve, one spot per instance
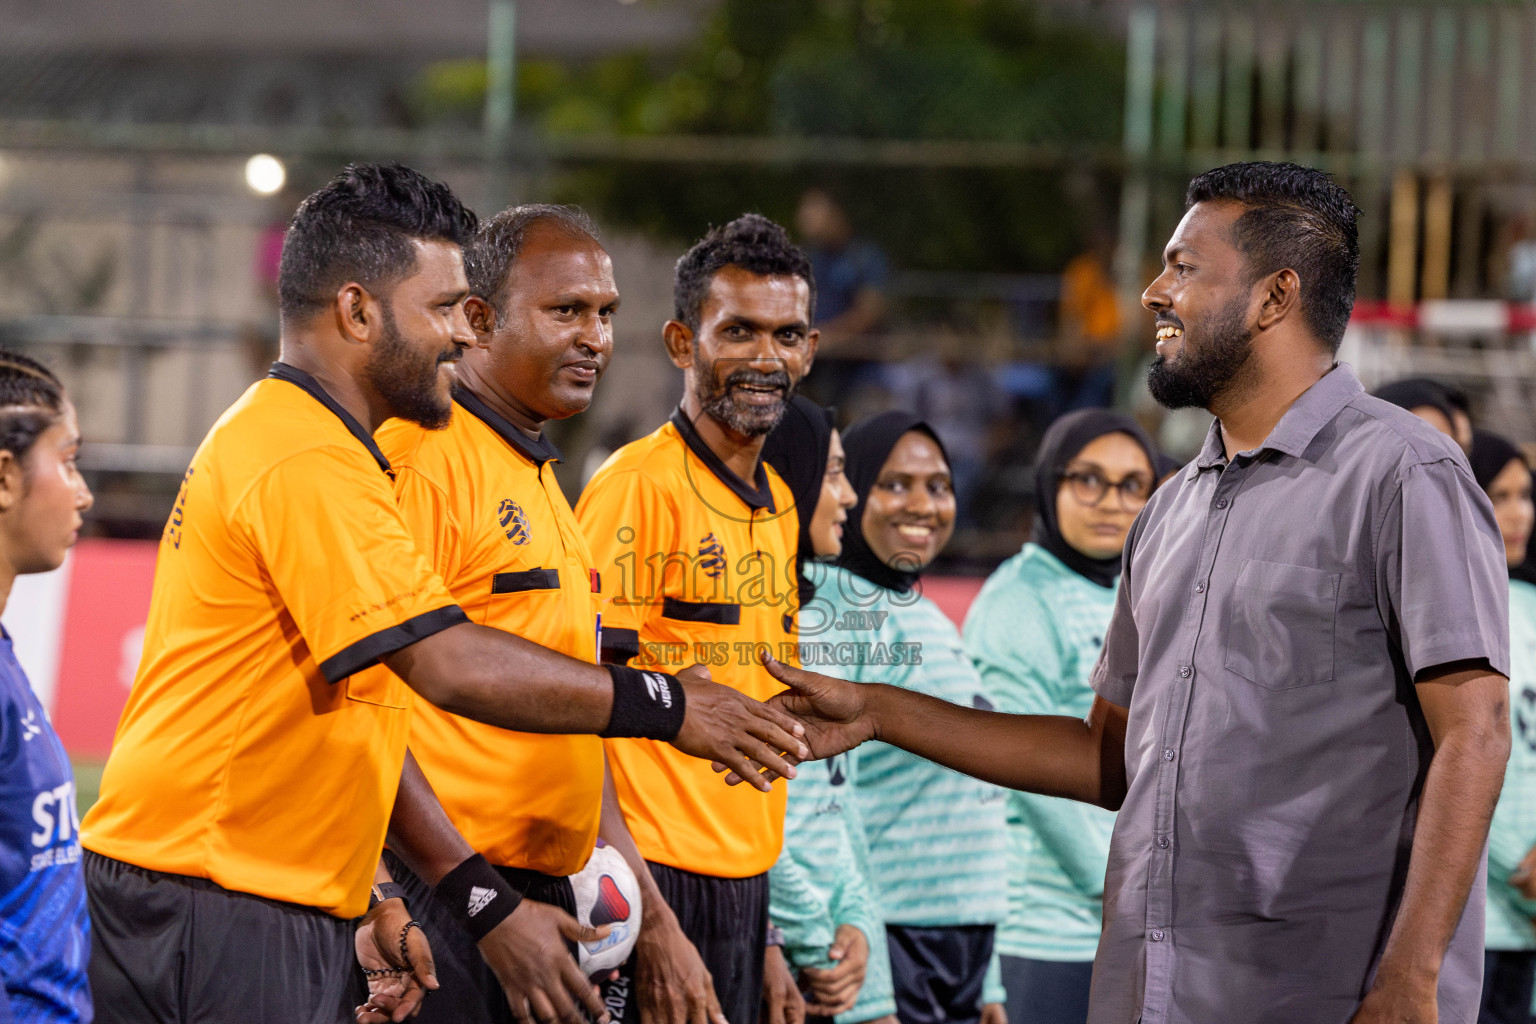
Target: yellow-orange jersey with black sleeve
(697, 565)
(253, 750)
(482, 501)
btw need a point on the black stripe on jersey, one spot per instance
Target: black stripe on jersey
(528, 579)
(370, 649)
(701, 611)
(619, 645)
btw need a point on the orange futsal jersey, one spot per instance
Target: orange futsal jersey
(483, 503)
(697, 565)
(250, 752)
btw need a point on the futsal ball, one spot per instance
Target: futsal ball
(607, 892)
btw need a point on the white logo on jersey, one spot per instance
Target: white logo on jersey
(479, 898)
(54, 812)
(29, 726)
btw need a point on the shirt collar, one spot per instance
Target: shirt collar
(537, 452)
(1312, 410)
(296, 376)
(756, 497)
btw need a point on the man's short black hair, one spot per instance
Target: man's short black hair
(1299, 218)
(489, 257)
(752, 242)
(359, 227)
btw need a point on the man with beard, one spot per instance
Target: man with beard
(244, 808)
(482, 500)
(695, 540)
(1302, 706)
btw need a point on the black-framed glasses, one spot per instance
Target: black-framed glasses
(1089, 488)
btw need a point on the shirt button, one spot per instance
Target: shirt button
(1183, 671)
(1221, 502)
(1167, 753)
(1157, 935)
(1199, 588)
(1162, 842)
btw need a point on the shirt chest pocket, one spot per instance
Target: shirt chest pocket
(1280, 624)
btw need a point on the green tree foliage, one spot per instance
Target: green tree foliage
(972, 70)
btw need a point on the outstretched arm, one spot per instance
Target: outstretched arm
(504, 680)
(1056, 755)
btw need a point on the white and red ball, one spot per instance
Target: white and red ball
(607, 892)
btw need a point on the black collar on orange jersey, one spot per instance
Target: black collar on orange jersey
(294, 375)
(537, 452)
(759, 497)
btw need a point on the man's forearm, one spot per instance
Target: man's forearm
(1053, 755)
(504, 680)
(420, 832)
(1457, 804)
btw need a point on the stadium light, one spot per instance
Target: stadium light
(265, 174)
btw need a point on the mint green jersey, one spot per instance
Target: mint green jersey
(1034, 633)
(935, 838)
(1513, 833)
(821, 881)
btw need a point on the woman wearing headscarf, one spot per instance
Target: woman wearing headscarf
(1034, 633)
(1509, 966)
(819, 896)
(935, 838)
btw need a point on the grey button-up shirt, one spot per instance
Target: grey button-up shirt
(1274, 612)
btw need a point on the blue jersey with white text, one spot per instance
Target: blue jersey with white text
(44, 932)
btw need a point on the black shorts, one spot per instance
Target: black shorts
(938, 973)
(169, 949)
(469, 992)
(727, 920)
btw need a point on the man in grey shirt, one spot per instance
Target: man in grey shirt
(1302, 705)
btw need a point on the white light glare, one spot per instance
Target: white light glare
(265, 174)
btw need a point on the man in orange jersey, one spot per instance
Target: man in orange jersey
(243, 811)
(695, 541)
(482, 500)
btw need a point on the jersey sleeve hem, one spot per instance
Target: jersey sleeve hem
(367, 651)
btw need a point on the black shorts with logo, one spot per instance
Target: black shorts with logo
(727, 921)
(469, 992)
(171, 949)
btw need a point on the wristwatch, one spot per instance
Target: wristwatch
(382, 891)
(775, 936)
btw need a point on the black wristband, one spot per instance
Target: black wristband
(649, 705)
(382, 891)
(477, 896)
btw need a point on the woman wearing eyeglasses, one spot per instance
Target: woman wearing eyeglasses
(1034, 633)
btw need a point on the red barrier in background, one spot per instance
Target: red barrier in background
(103, 635)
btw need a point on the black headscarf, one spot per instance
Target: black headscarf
(1414, 392)
(867, 445)
(1068, 436)
(797, 449)
(1490, 454)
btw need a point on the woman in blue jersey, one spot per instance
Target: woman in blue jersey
(819, 896)
(44, 932)
(1510, 934)
(1034, 631)
(935, 838)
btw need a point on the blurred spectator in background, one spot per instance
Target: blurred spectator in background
(850, 272)
(1520, 261)
(1509, 962)
(1090, 327)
